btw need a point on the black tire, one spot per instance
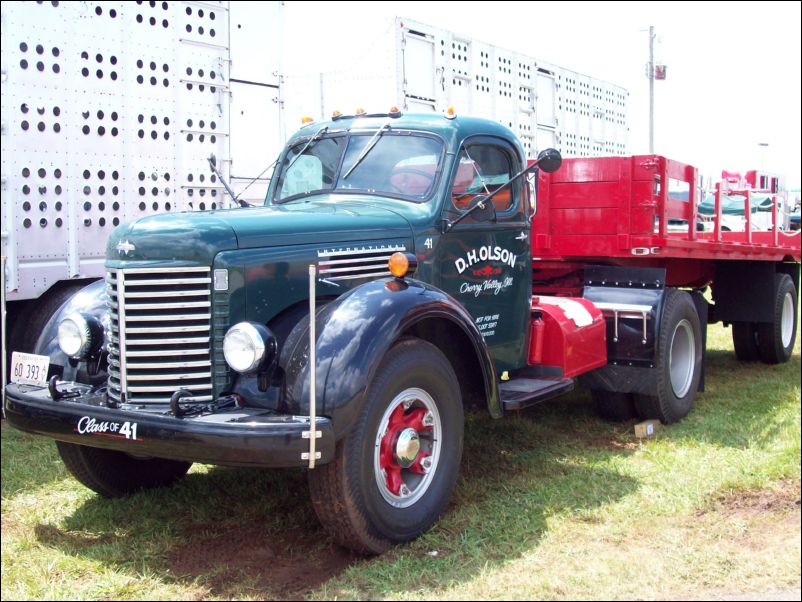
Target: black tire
(744, 339)
(116, 474)
(27, 321)
(354, 502)
(680, 348)
(776, 338)
(26, 332)
(612, 406)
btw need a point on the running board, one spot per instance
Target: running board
(521, 393)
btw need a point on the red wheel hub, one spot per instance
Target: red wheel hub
(401, 422)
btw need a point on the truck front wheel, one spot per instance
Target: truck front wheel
(776, 338)
(679, 365)
(116, 474)
(394, 473)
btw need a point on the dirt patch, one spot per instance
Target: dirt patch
(784, 497)
(249, 559)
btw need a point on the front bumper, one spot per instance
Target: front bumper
(232, 437)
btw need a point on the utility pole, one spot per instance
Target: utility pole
(650, 75)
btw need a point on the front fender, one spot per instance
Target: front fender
(92, 300)
(353, 334)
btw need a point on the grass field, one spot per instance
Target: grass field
(552, 503)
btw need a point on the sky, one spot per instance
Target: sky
(733, 77)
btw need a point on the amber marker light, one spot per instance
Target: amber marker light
(451, 112)
(306, 120)
(402, 264)
(336, 114)
(360, 112)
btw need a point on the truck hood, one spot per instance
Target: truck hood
(198, 236)
(323, 219)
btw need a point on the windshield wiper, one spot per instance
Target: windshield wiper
(367, 149)
(313, 139)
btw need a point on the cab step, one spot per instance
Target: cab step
(521, 393)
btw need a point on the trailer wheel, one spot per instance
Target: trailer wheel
(116, 474)
(393, 474)
(613, 406)
(744, 339)
(27, 329)
(776, 338)
(680, 361)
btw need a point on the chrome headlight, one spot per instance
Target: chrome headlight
(79, 335)
(248, 346)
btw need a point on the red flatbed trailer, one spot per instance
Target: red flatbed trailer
(617, 211)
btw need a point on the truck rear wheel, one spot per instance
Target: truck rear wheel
(776, 338)
(116, 474)
(613, 406)
(679, 366)
(394, 473)
(744, 339)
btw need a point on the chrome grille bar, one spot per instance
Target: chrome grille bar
(160, 334)
(121, 321)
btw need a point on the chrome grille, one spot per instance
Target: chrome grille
(160, 334)
(350, 264)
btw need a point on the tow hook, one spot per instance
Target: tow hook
(175, 409)
(55, 394)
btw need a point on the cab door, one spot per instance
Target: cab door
(486, 265)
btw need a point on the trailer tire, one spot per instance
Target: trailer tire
(116, 474)
(776, 338)
(744, 339)
(393, 475)
(27, 331)
(679, 366)
(614, 406)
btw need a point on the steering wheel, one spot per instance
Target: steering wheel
(411, 181)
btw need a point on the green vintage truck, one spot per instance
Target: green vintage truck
(407, 237)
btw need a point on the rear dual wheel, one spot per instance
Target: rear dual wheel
(679, 367)
(770, 342)
(776, 339)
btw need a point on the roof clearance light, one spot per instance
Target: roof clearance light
(335, 114)
(394, 110)
(451, 113)
(306, 119)
(360, 112)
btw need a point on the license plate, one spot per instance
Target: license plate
(29, 369)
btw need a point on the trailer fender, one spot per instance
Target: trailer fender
(92, 300)
(353, 334)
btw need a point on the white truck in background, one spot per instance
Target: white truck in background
(424, 68)
(110, 111)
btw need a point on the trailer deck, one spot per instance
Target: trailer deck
(645, 207)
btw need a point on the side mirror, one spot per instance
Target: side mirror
(549, 160)
(483, 209)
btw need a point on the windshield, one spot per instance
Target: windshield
(402, 165)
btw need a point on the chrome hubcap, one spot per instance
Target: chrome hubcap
(407, 447)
